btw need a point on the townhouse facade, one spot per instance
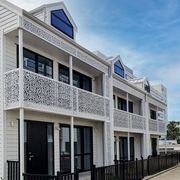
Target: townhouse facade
(64, 108)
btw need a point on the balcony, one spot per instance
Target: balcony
(128, 121)
(48, 95)
(157, 126)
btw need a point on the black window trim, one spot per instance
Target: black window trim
(64, 23)
(36, 60)
(75, 72)
(82, 145)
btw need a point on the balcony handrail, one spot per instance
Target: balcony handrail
(48, 78)
(129, 113)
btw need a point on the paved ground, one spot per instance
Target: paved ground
(173, 174)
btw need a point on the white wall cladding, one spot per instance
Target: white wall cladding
(11, 59)
(8, 19)
(1, 111)
(43, 93)
(51, 38)
(123, 119)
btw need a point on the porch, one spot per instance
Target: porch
(48, 141)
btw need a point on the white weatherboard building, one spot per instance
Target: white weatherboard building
(63, 107)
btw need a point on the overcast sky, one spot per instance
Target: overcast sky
(145, 33)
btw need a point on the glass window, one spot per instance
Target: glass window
(29, 60)
(65, 149)
(122, 104)
(76, 79)
(132, 148)
(64, 74)
(152, 114)
(82, 148)
(44, 66)
(37, 63)
(50, 147)
(60, 21)
(130, 107)
(118, 68)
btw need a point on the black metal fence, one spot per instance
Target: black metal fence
(13, 170)
(135, 170)
(121, 170)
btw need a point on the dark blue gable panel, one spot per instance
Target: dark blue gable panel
(61, 22)
(118, 68)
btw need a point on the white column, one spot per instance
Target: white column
(127, 101)
(104, 84)
(21, 83)
(117, 148)
(105, 152)
(128, 145)
(21, 99)
(72, 144)
(147, 116)
(21, 128)
(70, 70)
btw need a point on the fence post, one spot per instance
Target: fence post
(158, 163)
(76, 175)
(136, 168)
(148, 169)
(142, 166)
(93, 177)
(58, 175)
(123, 168)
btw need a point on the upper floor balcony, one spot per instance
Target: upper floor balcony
(126, 121)
(40, 93)
(157, 126)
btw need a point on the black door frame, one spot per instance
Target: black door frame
(26, 120)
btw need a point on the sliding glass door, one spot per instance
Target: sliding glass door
(83, 148)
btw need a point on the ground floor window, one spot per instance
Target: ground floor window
(123, 148)
(83, 148)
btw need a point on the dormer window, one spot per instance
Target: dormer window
(118, 68)
(61, 22)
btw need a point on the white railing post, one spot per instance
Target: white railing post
(72, 144)
(128, 145)
(21, 82)
(21, 100)
(21, 128)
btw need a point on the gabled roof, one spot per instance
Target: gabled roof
(56, 6)
(13, 8)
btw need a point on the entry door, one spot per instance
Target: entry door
(154, 147)
(36, 154)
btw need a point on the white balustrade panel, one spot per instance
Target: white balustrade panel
(121, 118)
(153, 125)
(11, 88)
(137, 122)
(162, 126)
(43, 93)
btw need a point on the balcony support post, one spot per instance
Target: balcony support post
(70, 70)
(21, 82)
(128, 145)
(21, 125)
(147, 116)
(117, 148)
(72, 144)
